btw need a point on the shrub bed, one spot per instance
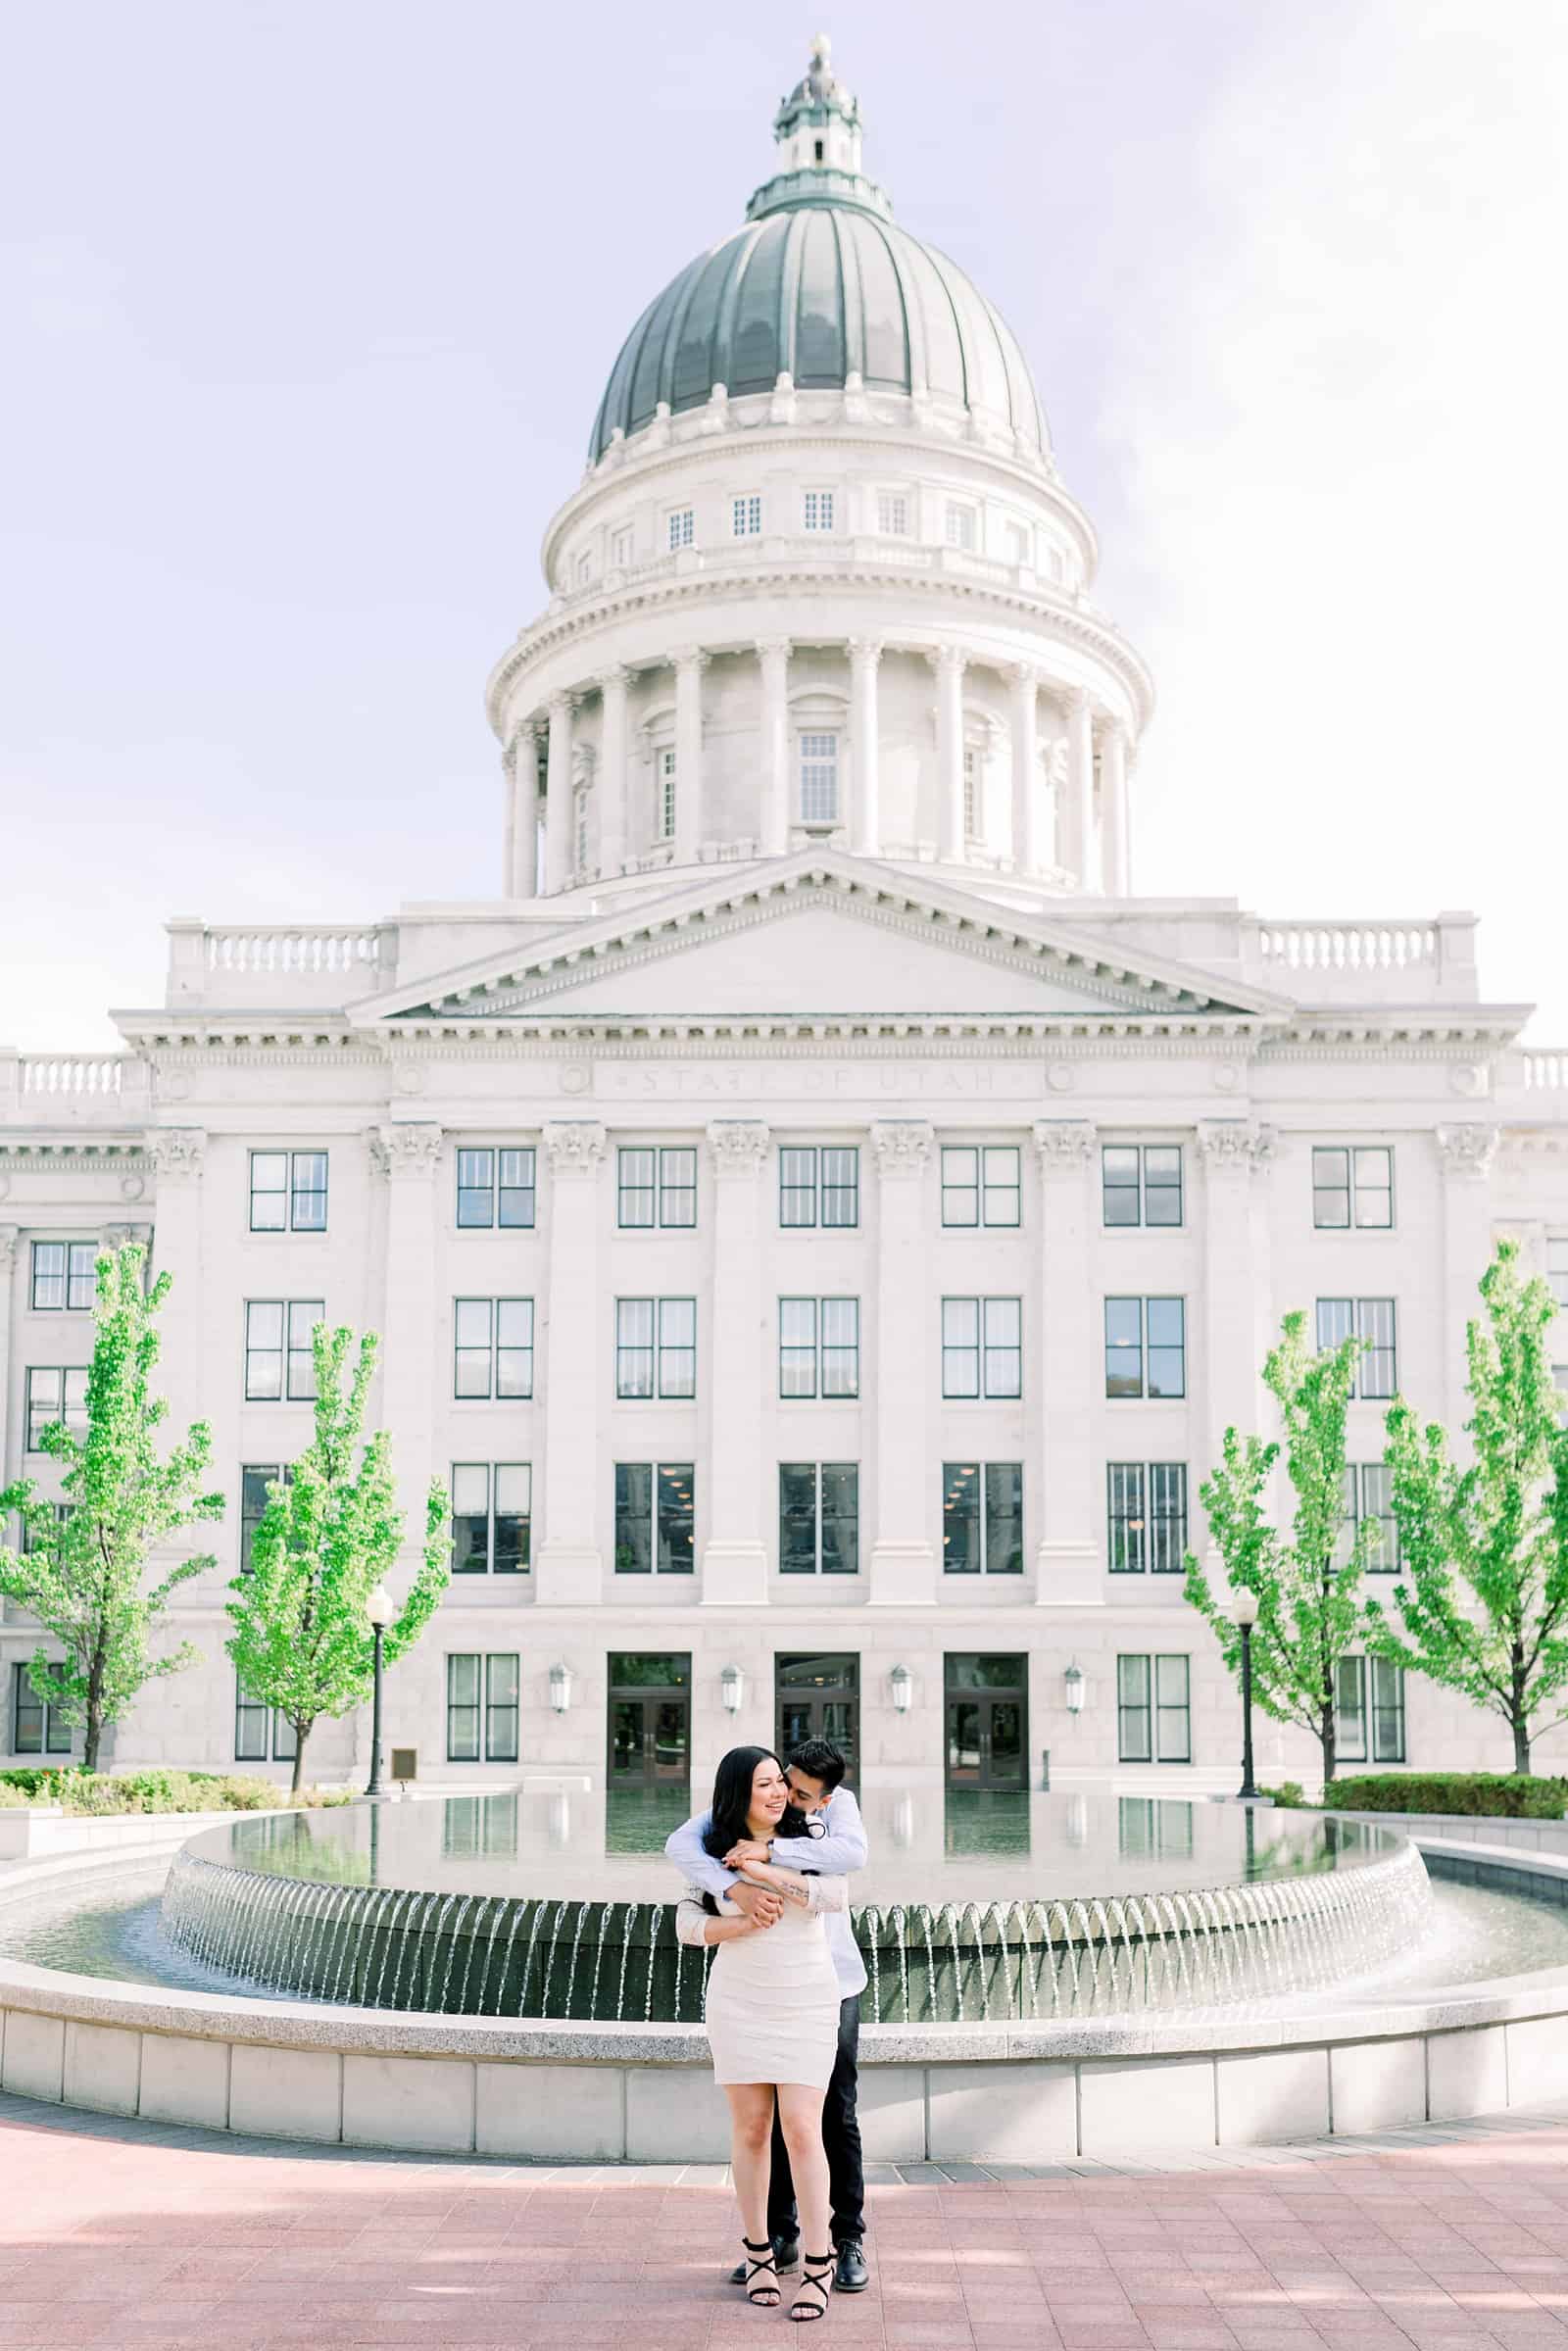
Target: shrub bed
(1498, 1795)
(108, 1792)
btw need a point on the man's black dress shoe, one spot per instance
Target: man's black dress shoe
(851, 2275)
(786, 2256)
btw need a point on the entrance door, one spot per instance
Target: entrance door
(988, 1722)
(648, 1775)
(819, 1697)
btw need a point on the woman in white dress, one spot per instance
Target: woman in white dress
(772, 2016)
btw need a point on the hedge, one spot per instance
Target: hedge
(1498, 1795)
(106, 1792)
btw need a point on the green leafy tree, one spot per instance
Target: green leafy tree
(1483, 1608)
(1307, 1581)
(300, 1642)
(81, 1572)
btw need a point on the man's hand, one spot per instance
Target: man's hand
(749, 1848)
(761, 1904)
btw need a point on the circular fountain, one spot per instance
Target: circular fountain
(1110, 1906)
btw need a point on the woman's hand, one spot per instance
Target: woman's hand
(749, 1848)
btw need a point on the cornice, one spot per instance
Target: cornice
(675, 591)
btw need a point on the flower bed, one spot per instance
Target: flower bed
(103, 1794)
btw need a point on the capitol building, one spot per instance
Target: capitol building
(820, 1216)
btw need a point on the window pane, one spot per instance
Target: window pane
(82, 1289)
(249, 1730)
(796, 1186)
(819, 780)
(1003, 1352)
(677, 1346)
(1336, 1322)
(513, 1482)
(841, 1347)
(841, 1518)
(961, 1185)
(268, 1190)
(1162, 1184)
(1388, 1711)
(514, 1347)
(1002, 1184)
(470, 1328)
(517, 1189)
(797, 1518)
(1349, 1710)
(841, 1187)
(797, 1346)
(1124, 1347)
(677, 1188)
(636, 1189)
(1331, 1189)
(1377, 1508)
(475, 1187)
(1133, 1725)
(1374, 1185)
(1004, 1482)
(634, 1347)
(470, 1518)
(677, 1516)
(463, 1708)
(1375, 1373)
(634, 1515)
(307, 1191)
(500, 1681)
(1168, 1347)
(255, 1478)
(1125, 1549)
(1172, 1736)
(303, 1314)
(960, 1518)
(1118, 1178)
(48, 1276)
(26, 1715)
(960, 1347)
(1167, 1497)
(263, 1348)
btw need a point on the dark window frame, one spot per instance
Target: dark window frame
(1379, 1358)
(984, 1349)
(53, 1739)
(1382, 1736)
(68, 1402)
(1145, 1187)
(276, 1738)
(273, 1473)
(980, 1185)
(296, 1194)
(296, 1358)
(666, 1522)
(508, 1533)
(985, 1477)
(812, 1355)
(1143, 1347)
(828, 1188)
(1146, 1517)
(1154, 1708)
(513, 1357)
(71, 1278)
(830, 1557)
(1352, 1185)
(510, 1208)
(662, 1351)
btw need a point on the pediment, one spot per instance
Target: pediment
(820, 939)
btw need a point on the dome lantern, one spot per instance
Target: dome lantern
(817, 126)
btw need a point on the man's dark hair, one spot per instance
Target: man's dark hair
(819, 1759)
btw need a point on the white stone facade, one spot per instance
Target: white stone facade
(927, 942)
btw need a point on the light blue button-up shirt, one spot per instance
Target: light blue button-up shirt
(839, 1848)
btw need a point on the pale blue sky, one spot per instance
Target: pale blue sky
(305, 311)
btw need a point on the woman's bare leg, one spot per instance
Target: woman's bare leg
(751, 2128)
(800, 2115)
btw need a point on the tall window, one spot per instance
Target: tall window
(580, 833)
(683, 529)
(655, 1348)
(980, 1184)
(1353, 1184)
(746, 518)
(1146, 1517)
(819, 780)
(288, 1192)
(492, 1347)
(620, 549)
(1369, 1710)
(982, 1518)
(982, 1346)
(260, 1733)
(280, 1361)
(820, 1347)
(1141, 1183)
(817, 509)
(64, 1277)
(1152, 1713)
(482, 1706)
(665, 795)
(656, 1513)
(1146, 1347)
(891, 514)
(492, 1508)
(255, 1478)
(496, 1187)
(973, 814)
(818, 1518)
(1372, 1321)
(819, 1185)
(1017, 543)
(55, 1392)
(1369, 1498)
(960, 527)
(1557, 1266)
(656, 1187)
(36, 1727)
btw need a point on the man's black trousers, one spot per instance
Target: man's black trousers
(841, 2143)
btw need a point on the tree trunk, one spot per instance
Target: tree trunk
(1326, 1741)
(300, 1737)
(95, 1732)
(1518, 1713)
(1521, 1745)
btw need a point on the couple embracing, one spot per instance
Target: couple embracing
(768, 1870)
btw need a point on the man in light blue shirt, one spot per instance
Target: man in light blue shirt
(831, 1841)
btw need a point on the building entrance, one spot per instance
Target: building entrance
(648, 1775)
(819, 1697)
(988, 1722)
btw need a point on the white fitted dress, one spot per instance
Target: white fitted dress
(773, 2011)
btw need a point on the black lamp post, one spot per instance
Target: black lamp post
(380, 1609)
(1244, 1615)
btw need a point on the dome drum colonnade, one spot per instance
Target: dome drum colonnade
(823, 363)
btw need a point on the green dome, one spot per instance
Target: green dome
(822, 285)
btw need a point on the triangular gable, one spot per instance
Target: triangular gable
(820, 934)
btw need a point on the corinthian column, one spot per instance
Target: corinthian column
(904, 1568)
(1465, 1152)
(612, 771)
(864, 655)
(1113, 810)
(735, 1555)
(949, 665)
(689, 668)
(1080, 828)
(773, 654)
(558, 794)
(179, 1154)
(1237, 1290)
(1025, 683)
(1067, 1557)
(568, 1570)
(409, 1155)
(523, 822)
(9, 1248)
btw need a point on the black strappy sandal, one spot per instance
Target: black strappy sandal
(765, 2296)
(818, 2272)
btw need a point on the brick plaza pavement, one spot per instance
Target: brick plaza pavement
(124, 2234)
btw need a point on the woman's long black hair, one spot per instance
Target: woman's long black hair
(732, 1798)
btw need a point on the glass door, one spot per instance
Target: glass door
(819, 1697)
(647, 1768)
(988, 1722)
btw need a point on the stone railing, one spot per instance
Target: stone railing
(49, 1091)
(71, 1074)
(1390, 961)
(841, 552)
(1544, 1069)
(318, 964)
